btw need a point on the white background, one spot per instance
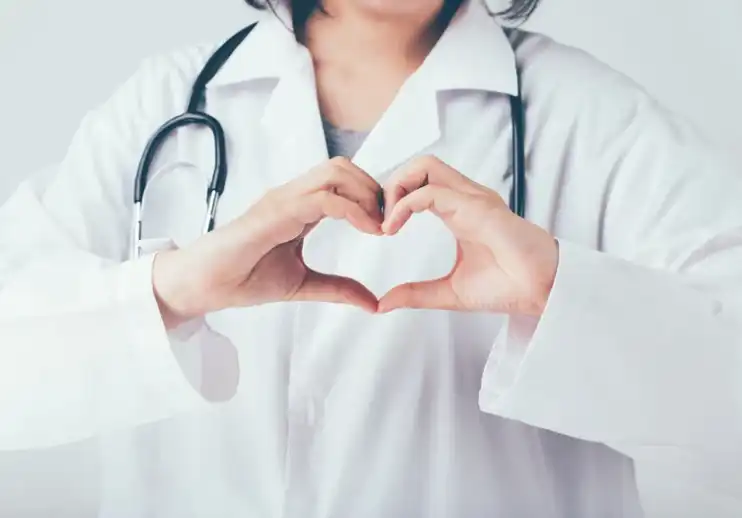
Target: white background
(59, 59)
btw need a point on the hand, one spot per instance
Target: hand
(503, 262)
(257, 258)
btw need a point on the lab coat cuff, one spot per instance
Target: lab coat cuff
(187, 330)
(506, 357)
(613, 356)
(152, 348)
(549, 371)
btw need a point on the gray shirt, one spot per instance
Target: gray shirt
(342, 142)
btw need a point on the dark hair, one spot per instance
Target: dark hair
(301, 10)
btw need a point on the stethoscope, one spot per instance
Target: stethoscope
(196, 117)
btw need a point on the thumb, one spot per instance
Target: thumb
(322, 287)
(433, 294)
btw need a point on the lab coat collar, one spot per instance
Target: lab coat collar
(268, 52)
(473, 54)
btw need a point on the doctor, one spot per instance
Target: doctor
(314, 357)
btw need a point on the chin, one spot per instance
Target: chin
(401, 8)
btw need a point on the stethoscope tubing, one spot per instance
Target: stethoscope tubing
(194, 116)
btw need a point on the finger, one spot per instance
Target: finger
(433, 294)
(356, 172)
(319, 205)
(352, 182)
(322, 287)
(366, 198)
(422, 171)
(440, 200)
(341, 176)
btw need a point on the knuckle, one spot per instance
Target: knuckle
(398, 177)
(326, 202)
(313, 174)
(339, 161)
(428, 161)
(333, 174)
(423, 192)
(389, 183)
(324, 197)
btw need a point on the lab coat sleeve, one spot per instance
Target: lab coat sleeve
(83, 349)
(640, 345)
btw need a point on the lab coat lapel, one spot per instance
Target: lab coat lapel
(291, 118)
(293, 124)
(408, 127)
(473, 54)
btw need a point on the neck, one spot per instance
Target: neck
(346, 35)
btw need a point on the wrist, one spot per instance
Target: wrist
(544, 271)
(529, 253)
(177, 300)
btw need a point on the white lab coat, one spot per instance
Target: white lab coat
(319, 411)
